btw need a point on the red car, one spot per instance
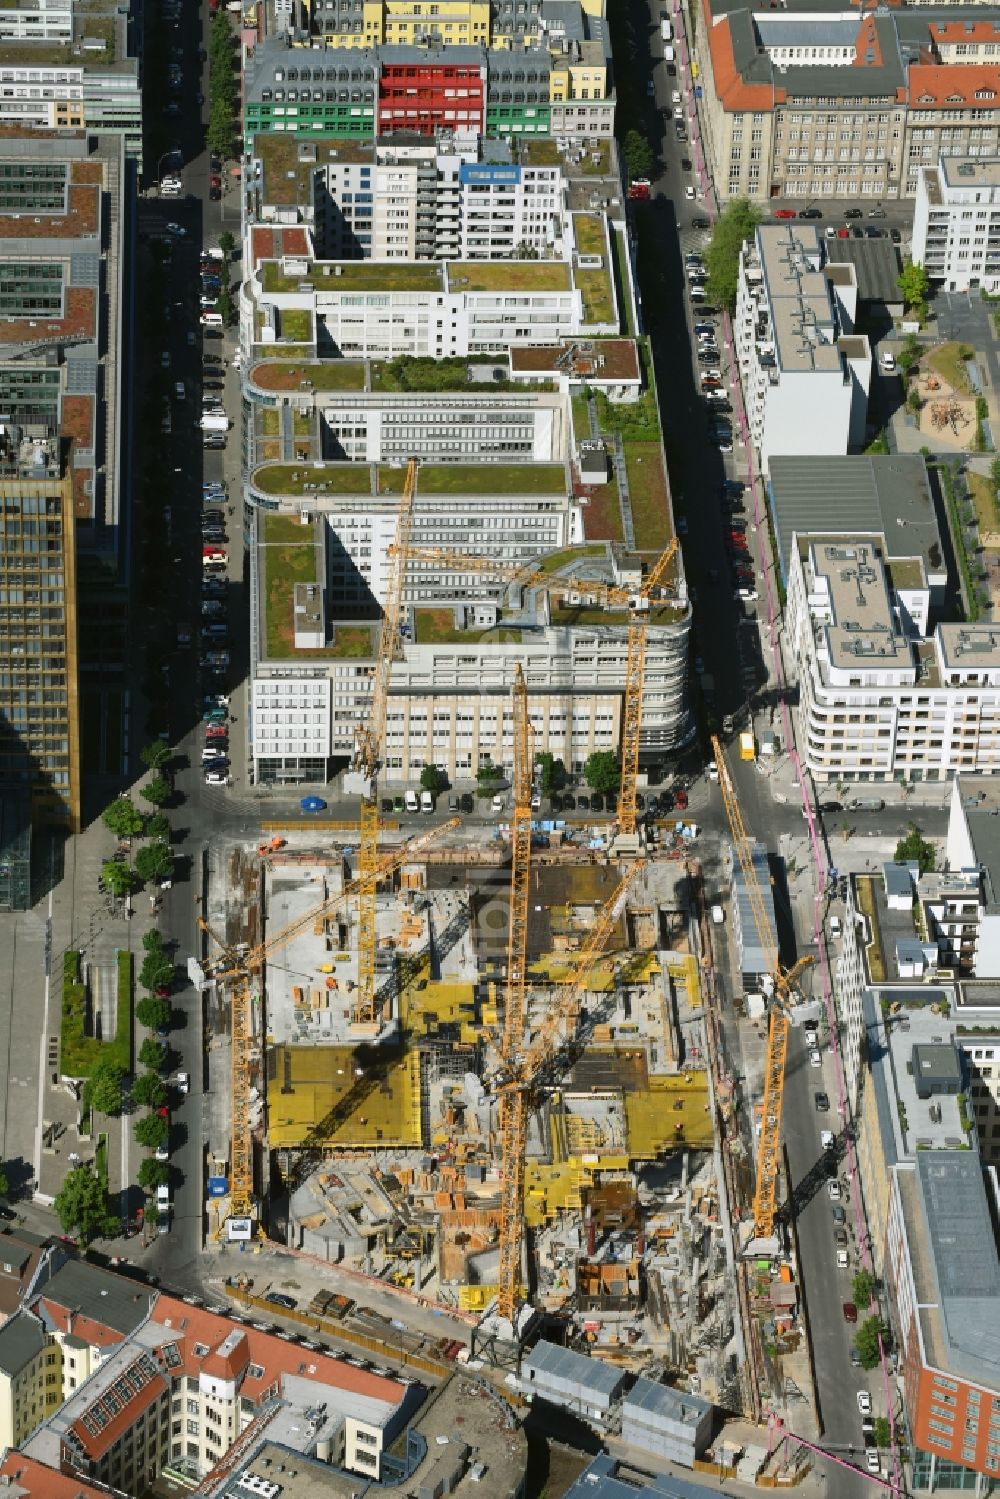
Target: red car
(215, 181)
(681, 798)
(216, 731)
(784, 213)
(850, 1312)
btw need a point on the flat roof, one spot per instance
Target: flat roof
(964, 646)
(958, 1227)
(664, 1400)
(867, 494)
(876, 267)
(508, 275)
(862, 632)
(914, 1124)
(563, 1363)
(971, 171)
(289, 161)
(608, 1478)
(596, 361)
(803, 318)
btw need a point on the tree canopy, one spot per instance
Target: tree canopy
(153, 1173)
(81, 1205)
(103, 1088)
(638, 154)
(551, 773)
(733, 228)
(154, 756)
(432, 779)
(154, 1014)
(152, 1054)
(869, 1333)
(158, 827)
(157, 790)
(154, 862)
(118, 877)
(914, 283)
(157, 971)
(149, 1090)
(914, 849)
(602, 772)
(151, 1130)
(122, 818)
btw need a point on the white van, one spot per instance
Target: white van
(212, 319)
(412, 803)
(426, 802)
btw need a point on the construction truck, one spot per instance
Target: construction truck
(748, 749)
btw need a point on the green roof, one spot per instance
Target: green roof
(309, 478)
(296, 376)
(356, 275)
(437, 627)
(491, 478)
(290, 553)
(509, 275)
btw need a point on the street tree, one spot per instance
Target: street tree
(157, 790)
(152, 941)
(551, 773)
(152, 1054)
(157, 971)
(151, 1130)
(118, 877)
(638, 154)
(882, 1432)
(149, 1090)
(154, 1014)
(154, 862)
(432, 779)
(103, 1089)
(153, 1173)
(81, 1205)
(155, 755)
(867, 1340)
(158, 827)
(602, 772)
(914, 849)
(733, 228)
(227, 244)
(863, 1288)
(914, 283)
(122, 818)
(4, 1183)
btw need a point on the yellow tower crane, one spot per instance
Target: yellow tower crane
(520, 845)
(520, 1072)
(370, 745)
(236, 966)
(765, 1200)
(610, 596)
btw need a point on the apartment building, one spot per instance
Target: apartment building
(424, 90)
(70, 68)
(956, 223)
(29, 1378)
(837, 103)
(882, 696)
(33, 1480)
(797, 351)
(117, 1381)
(407, 198)
(383, 310)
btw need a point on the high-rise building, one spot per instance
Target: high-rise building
(956, 223)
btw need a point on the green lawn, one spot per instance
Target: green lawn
(982, 491)
(602, 517)
(491, 478)
(598, 296)
(328, 478)
(270, 422)
(647, 485)
(290, 557)
(950, 366)
(295, 324)
(598, 168)
(509, 275)
(314, 374)
(357, 275)
(352, 640)
(437, 627)
(589, 231)
(569, 556)
(581, 418)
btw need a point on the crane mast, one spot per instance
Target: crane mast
(371, 739)
(768, 1176)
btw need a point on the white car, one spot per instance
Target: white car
(747, 595)
(675, 96)
(690, 193)
(826, 1139)
(810, 1035)
(182, 1082)
(163, 1197)
(815, 1058)
(713, 770)
(216, 778)
(843, 1259)
(833, 1189)
(162, 1153)
(711, 374)
(872, 1460)
(864, 1402)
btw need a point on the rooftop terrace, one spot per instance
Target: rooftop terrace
(509, 275)
(355, 275)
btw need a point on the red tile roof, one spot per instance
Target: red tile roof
(955, 85)
(40, 1482)
(867, 42)
(97, 1441)
(961, 31)
(266, 1351)
(733, 94)
(70, 1323)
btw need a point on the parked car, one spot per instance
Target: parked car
(810, 213)
(784, 213)
(850, 1311)
(278, 1298)
(864, 1402)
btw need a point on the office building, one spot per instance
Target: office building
(797, 351)
(69, 67)
(834, 103)
(956, 223)
(407, 198)
(883, 695)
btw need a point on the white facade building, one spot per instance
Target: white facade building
(415, 200)
(956, 223)
(881, 700)
(797, 351)
(39, 20)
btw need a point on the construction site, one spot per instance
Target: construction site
(488, 1074)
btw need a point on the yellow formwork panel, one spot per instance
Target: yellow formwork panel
(422, 1010)
(314, 1097)
(672, 1112)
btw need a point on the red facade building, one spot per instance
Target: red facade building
(423, 93)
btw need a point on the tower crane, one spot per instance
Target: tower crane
(235, 967)
(611, 596)
(521, 1070)
(370, 744)
(520, 844)
(785, 992)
